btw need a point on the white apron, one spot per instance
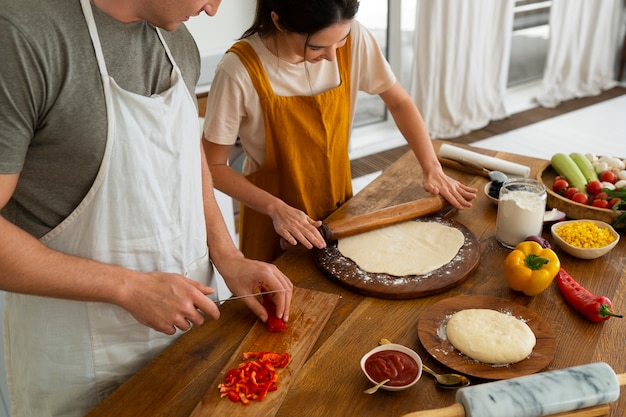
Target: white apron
(144, 211)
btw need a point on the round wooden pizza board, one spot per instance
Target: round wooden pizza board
(432, 334)
(346, 273)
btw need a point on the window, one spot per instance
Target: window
(392, 23)
(529, 44)
(373, 15)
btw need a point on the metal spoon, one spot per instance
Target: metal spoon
(375, 387)
(497, 176)
(448, 381)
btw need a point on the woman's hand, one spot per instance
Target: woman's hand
(295, 226)
(455, 192)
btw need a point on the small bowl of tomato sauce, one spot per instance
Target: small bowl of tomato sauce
(401, 365)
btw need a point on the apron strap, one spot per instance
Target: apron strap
(95, 39)
(253, 65)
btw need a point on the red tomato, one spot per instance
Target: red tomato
(560, 186)
(600, 203)
(614, 201)
(580, 198)
(602, 196)
(594, 187)
(570, 192)
(608, 176)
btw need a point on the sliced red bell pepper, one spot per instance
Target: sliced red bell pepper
(252, 380)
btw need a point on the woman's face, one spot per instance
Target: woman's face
(321, 45)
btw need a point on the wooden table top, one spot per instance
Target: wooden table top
(330, 382)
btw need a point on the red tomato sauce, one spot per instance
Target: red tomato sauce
(400, 368)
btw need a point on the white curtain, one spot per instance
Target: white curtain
(461, 63)
(584, 39)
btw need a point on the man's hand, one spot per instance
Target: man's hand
(165, 301)
(245, 276)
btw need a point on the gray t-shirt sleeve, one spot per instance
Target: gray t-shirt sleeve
(21, 95)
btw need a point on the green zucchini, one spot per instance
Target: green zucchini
(565, 166)
(584, 165)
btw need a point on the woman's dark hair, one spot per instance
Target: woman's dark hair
(300, 16)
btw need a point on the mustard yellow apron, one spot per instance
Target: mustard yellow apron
(306, 158)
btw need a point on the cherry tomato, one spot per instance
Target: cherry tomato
(614, 201)
(594, 187)
(560, 186)
(570, 192)
(608, 176)
(602, 196)
(600, 203)
(580, 198)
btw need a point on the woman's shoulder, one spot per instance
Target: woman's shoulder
(231, 62)
(358, 31)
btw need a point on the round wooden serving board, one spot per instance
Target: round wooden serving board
(431, 330)
(345, 272)
(572, 209)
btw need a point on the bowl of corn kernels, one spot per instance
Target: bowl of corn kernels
(585, 239)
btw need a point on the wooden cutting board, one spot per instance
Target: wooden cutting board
(347, 273)
(310, 310)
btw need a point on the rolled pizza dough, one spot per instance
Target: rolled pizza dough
(408, 248)
(490, 336)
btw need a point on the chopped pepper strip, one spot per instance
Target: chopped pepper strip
(252, 380)
(531, 268)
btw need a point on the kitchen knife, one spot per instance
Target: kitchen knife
(239, 297)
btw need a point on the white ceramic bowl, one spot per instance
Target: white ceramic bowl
(399, 348)
(493, 200)
(584, 253)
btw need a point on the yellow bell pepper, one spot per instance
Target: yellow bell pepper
(531, 268)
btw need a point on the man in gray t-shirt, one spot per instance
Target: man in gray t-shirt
(107, 208)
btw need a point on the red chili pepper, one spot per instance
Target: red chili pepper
(593, 307)
(274, 324)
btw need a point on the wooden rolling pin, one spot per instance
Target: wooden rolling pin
(582, 391)
(385, 217)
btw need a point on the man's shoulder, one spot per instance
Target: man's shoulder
(40, 16)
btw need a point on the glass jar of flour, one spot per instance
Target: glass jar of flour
(521, 208)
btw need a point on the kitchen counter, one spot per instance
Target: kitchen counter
(330, 382)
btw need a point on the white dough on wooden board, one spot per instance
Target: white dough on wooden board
(490, 336)
(408, 248)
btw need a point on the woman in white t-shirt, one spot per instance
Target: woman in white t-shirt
(288, 89)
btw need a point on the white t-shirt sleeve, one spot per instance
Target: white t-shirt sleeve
(370, 70)
(226, 101)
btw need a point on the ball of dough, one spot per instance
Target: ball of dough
(490, 336)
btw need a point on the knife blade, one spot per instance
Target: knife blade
(239, 297)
